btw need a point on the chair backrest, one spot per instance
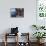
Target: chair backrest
(14, 30)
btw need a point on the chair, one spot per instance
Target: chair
(14, 32)
(25, 36)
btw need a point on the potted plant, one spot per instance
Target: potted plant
(39, 35)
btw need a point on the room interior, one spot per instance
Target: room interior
(22, 23)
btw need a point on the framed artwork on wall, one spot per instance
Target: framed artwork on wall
(41, 12)
(17, 12)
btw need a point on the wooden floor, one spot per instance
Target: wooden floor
(13, 44)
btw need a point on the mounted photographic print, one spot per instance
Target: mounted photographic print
(17, 12)
(41, 12)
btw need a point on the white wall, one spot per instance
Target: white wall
(23, 23)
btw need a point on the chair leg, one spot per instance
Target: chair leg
(5, 40)
(5, 43)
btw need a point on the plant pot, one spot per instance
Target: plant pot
(40, 41)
